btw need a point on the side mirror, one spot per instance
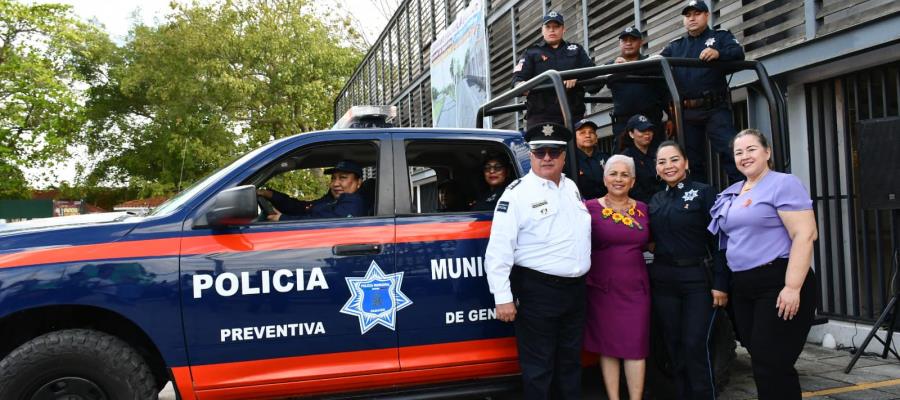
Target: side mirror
(233, 207)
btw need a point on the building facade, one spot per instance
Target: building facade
(836, 62)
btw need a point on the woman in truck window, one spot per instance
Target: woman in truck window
(496, 171)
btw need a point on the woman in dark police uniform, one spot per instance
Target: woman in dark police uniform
(688, 276)
(496, 171)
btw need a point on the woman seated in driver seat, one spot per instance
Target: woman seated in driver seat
(341, 201)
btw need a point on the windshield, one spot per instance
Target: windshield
(189, 193)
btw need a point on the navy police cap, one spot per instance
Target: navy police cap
(345, 166)
(585, 122)
(547, 135)
(631, 31)
(638, 122)
(553, 16)
(698, 5)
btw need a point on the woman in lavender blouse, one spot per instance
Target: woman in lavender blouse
(767, 227)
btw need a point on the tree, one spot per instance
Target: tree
(211, 82)
(44, 54)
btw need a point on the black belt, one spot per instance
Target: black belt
(547, 277)
(709, 101)
(681, 262)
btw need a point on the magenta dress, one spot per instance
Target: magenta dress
(618, 289)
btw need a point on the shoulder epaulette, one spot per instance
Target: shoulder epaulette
(513, 184)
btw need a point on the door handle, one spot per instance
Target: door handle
(357, 249)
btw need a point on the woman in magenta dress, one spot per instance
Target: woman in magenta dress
(618, 289)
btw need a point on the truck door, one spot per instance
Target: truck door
(285, 304)
(440, 250)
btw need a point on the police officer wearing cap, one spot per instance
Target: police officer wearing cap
(536, 259)
(638, 144)
(590, 160)
(341, 201)
(630, 97)
(704, 91)
(552, 53)
(689, 278)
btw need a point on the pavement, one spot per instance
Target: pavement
(821, 377)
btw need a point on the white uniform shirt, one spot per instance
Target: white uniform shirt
(541, 226)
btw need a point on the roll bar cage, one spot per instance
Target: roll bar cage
(653, 68)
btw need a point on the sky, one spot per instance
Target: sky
(118, 16)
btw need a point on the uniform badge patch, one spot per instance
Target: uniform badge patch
(375, 298)
(681, 185)
(690, 195)
(572, 47)
(710, 42)
(502, 206)
(539, 204)
(544, 58)
(547, 130)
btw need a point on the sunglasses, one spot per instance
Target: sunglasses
(544, 151)
(494, 168)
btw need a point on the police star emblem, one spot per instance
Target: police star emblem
(692, 3)
(375, 298)
(690, 195)
(710, 42)
(547, 130)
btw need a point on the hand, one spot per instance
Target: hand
(525, 93)
(274, 217)
(506, 312)
(570, 83)
(620, 60)
(788, 303)
(720, 298)
(264, 193)
(709, 54)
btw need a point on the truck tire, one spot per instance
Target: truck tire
(76, 364)
(659, 375)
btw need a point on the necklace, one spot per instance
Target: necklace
(624, 216)
(622, 209)
(748, 185)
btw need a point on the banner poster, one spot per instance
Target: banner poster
(459, 66)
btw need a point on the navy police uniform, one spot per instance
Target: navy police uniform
(538, 253)
(687, 265)
(704, 95)
(488, 201)
(632, 97)
(645, 184)
(344, 206)
(590, 168)
(542, 105)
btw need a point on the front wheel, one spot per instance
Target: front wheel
(76, 364)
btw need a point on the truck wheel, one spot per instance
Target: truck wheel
(76, 364)
(660, 384)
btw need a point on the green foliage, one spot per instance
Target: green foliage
(211, 82)
(301, 184)
(45, 54)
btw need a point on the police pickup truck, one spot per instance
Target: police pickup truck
(207, 293)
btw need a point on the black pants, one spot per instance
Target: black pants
(682, 302)
(549, 328)
(718, 126)
(774, 344)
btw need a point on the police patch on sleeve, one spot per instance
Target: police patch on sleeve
(502, 206)
(519, 66)
(375, 298)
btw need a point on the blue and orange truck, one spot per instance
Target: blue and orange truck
(209, 294)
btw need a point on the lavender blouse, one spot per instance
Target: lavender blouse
(748, 226)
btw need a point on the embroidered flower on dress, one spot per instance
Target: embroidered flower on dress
(626, 220)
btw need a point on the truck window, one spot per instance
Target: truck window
(449, 176)
(326, 181)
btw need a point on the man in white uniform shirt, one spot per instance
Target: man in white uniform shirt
(536, 259)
